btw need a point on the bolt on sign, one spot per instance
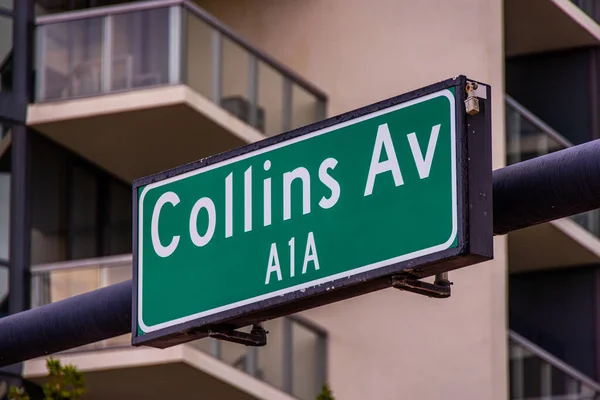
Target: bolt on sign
(339, 208)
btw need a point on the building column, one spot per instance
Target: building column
(20, 197)
(19, 297)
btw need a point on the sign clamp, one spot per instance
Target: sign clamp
(257, 336)
(440, 289)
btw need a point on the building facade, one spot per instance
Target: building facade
(97, 93)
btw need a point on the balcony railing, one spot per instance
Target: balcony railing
(166, 42)
(528, 137)
(590, 7)
(536, 374)
(294, 359)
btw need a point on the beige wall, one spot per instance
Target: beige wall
(390, 344)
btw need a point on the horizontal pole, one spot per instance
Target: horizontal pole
(66, 324)
(525, 194)
(546, 188)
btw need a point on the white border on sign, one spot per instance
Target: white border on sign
(446, 93)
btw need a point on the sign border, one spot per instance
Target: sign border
(475, 216)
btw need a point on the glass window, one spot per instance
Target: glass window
(49, 202)
(82, 241)
(117, 232)
(78, 210)
(6, 44)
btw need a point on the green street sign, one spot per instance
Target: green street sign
(401, 188)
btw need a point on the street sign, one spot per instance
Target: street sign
(313, 216)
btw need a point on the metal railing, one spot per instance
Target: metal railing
(590, 7)
(294, 359)
(537, 374)
(165, 42)
(527, 136)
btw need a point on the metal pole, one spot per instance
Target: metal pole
(73, 322)
(528, 193)
(20, 222)
(546, 188)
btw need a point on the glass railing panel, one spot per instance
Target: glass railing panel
(270, 114)
(4, 211)
(105, 54)
(205, 345)
(306, 107)
(528, 137)
(71, 59)
(590, 7)
(234, 78)
(535, 374)
(270, 358)
(140, 49)
(306, 358)
(199, 54)
(589, 220)
(51, 284)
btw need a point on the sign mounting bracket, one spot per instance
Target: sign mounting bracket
(257, 336)
(439, 290)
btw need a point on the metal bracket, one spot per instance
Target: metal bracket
(439, 290)
(257, 336)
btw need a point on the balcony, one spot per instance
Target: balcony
(536, 374)
(590, 7)
(293, 362)
(163, 75)
(536, 26)
(567, 242)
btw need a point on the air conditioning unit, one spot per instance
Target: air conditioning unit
(240, 107)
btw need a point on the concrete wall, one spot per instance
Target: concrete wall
(391, 344)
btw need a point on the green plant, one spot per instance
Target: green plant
(325, 393)
(64, 383)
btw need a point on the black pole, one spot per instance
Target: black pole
(546, 188)
(20, 227)
(20, 200)
(76, 321)
(23, 31)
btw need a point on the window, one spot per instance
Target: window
(6, 44)
(78, 210)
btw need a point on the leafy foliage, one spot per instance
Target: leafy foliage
(64, 383)
(326, 393)
(15, 393)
